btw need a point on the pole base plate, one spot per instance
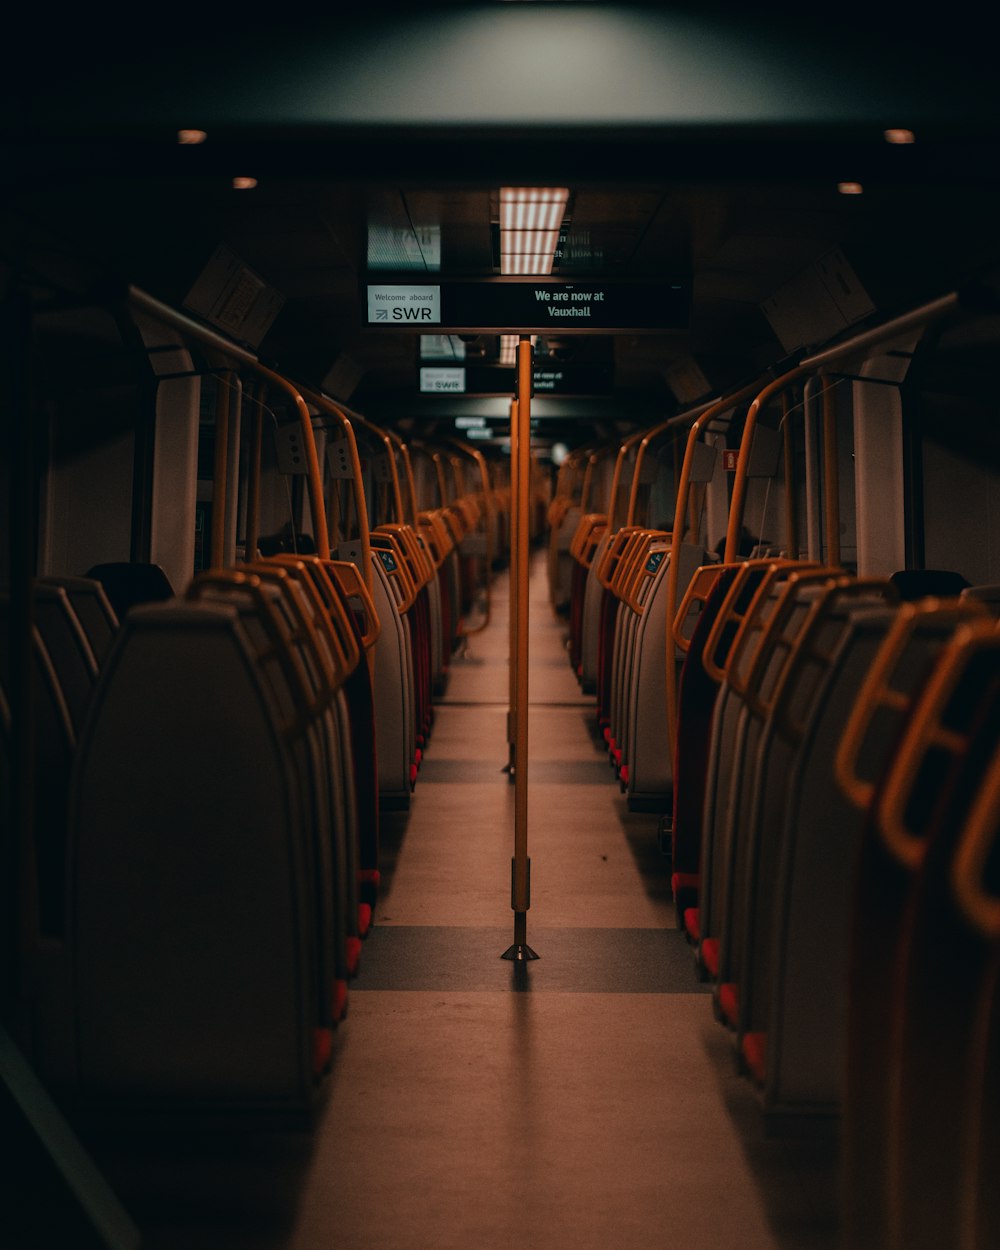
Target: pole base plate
(519, 953)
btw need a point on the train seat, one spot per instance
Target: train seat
(608, 626)
(785, 606)
(898, 683)
(280, 624)
(696, 692)
(327, 656)
(54, 744)
(630, 586)
(650, 780)
(944, 759)
(590, 622)
(972, 909)
(92, 607)
(913, 584)
(127, 584)
(393, 693)
(351, 609)
(787, 943)
(68, 647)
(988, 595)
(798, 937)
(756, 591)
(198, 934)
(583, 550)
(698, 765)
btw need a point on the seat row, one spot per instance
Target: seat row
(834, 811)
(210, 771)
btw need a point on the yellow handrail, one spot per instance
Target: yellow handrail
(699, 588)
(727, 615)
(925, 732)
(701, 421)
(838, 587)
(188, 326)
(325, 404)
(976, 844)
(877, 691)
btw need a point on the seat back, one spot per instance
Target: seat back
(192, 874)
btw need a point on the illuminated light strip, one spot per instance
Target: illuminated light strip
(538, 263)
(508, 347)
(528, 242)
(530, 218)
(532, 208)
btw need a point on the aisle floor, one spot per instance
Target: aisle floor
(586, 1100)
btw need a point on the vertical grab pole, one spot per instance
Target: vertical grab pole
(831, 476)
(253, 485)
(520, 901)
(223, 400)
(512, 597)
(791, 485)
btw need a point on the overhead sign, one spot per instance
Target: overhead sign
(547, 379)
(404, 305)
(571, 379)
(441, 347)
(530, 305)
(442, 380)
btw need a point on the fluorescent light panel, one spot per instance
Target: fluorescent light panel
(530, 218)
(508, 347)
(528, 242)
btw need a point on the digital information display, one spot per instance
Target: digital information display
(442, 380)
(547, 379)
(528, 306)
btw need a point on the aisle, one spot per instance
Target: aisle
(586, 1102)
(591, 1103)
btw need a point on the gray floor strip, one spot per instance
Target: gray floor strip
(595, 961)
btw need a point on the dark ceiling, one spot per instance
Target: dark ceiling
(381, 145)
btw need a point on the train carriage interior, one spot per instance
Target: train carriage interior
(500, 630)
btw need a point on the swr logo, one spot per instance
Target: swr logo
(412, 314)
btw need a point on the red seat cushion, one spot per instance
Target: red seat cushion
(754, 1048)
(729, 1003)
(322, 1050)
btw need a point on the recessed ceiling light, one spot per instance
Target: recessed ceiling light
(508, 347)
(530, 219)
(528, 242)
(532, 208)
